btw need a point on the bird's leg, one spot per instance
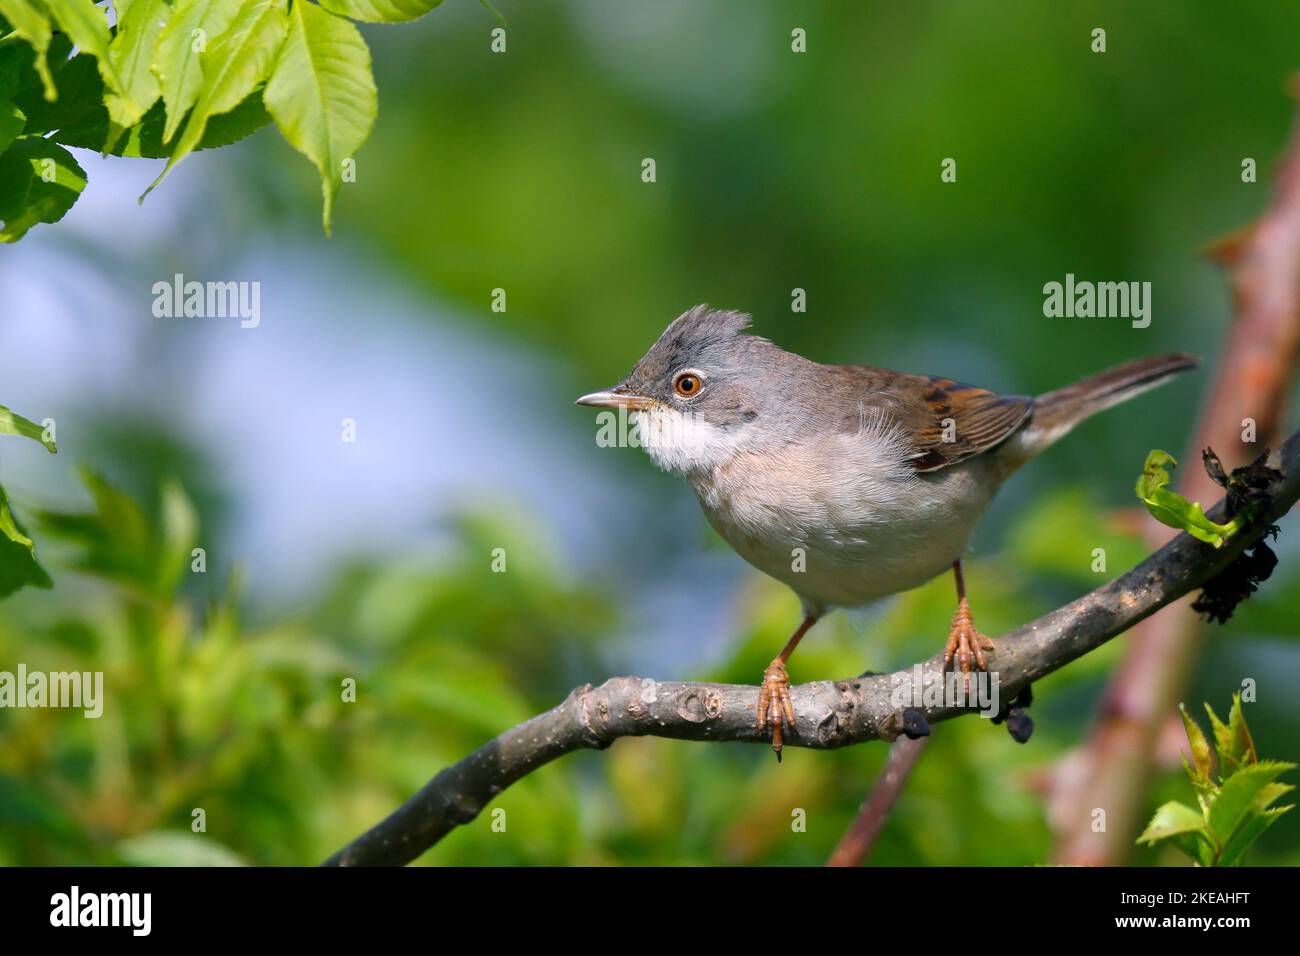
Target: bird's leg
(774, 693)
(965, 644)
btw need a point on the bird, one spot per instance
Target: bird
(847, 483)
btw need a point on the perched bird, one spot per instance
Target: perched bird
(845, 482)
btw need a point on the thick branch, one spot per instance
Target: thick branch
(828, 713)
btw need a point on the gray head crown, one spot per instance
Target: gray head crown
(705, 339)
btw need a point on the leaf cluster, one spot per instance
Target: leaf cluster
(163, 78)
(1235, 793)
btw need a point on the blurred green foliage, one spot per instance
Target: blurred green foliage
(250, 724)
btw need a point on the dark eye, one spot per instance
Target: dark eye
(687, 384)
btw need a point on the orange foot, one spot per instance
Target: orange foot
(774, 699)
(966, 645)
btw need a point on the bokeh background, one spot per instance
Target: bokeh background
(522, 171)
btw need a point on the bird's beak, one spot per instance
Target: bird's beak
(618, 397)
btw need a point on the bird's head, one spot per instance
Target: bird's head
(696, 395)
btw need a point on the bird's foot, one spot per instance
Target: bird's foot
(966, 645)
(774, 702)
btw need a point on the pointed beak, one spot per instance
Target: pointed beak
(617, 397)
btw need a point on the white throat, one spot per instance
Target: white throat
(684, 443)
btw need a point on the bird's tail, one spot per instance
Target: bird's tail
(1056, 412)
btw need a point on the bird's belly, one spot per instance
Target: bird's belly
(854, 545)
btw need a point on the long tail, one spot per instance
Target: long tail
(1055, 413)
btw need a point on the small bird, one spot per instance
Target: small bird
(847, 483)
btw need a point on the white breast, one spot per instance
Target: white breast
(844, 520)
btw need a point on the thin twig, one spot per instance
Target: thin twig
(828, 713)
(856, 844)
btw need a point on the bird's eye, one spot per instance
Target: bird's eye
(687, 384)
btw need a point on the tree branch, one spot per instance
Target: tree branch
(828, 713)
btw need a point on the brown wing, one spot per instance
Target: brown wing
(952, 421)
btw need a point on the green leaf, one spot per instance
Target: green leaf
(1247, 834)
(1232, 740)
(1200, 768)
(87, 27)
(12, 423)
(380, 11)
(31, 22)
(1196, 846)
(1171, 508)
(1270, 794)
(244, 120)
(15, 60)
(18, 565)
(146, 139)
(12, 121)
(1236, 798)
(239, 61)
(139, 25)
(322, 93)
(19, 77)
(1171, 819)
(81, 95)
(15, 188)
(181, 51)
(39, 182)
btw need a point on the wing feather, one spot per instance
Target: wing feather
(957, 421)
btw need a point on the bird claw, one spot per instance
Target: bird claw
(966, 645)
(774, 701)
